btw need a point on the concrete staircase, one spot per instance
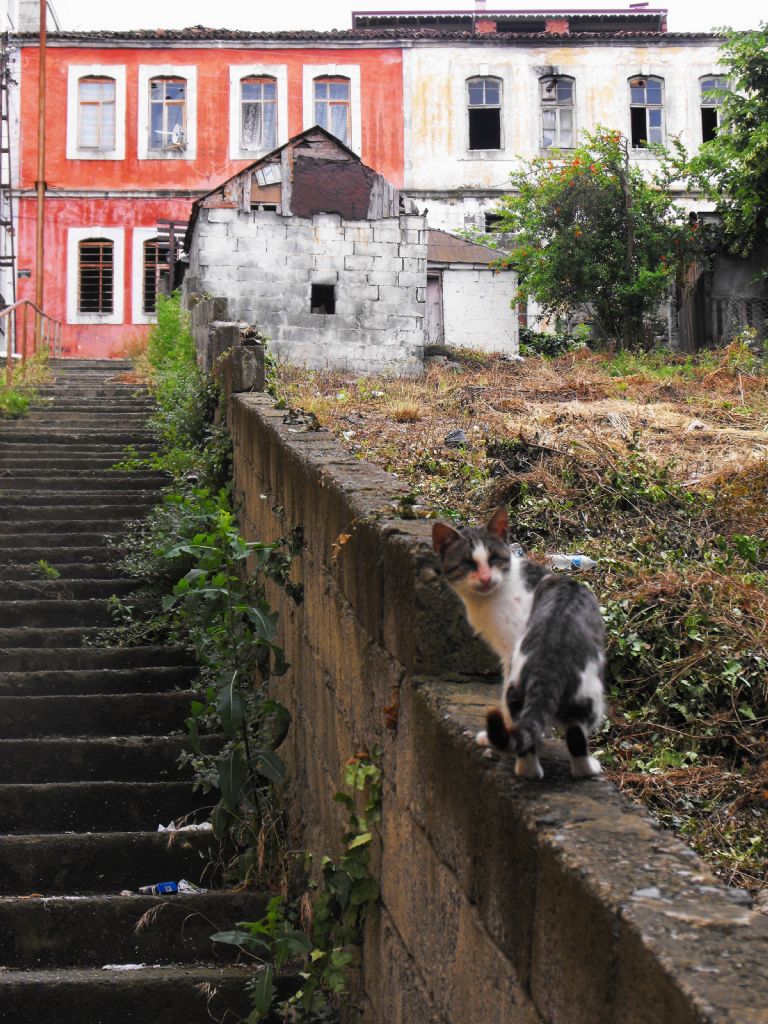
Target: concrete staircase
(89, 737)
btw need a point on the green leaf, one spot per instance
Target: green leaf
(233, 776)
(362, 840)
(262, 992)
(271, 766)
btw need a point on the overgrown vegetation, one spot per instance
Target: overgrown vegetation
(656, 466)
(205, 589)
(16, 397)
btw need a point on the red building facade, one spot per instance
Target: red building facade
(139, 125)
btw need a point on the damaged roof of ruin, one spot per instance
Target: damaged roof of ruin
(443, 247)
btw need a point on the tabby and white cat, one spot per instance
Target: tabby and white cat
(549, 634)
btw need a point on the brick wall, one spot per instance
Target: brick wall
(502, 900)
(266, 264)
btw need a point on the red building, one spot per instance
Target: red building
(140, 124)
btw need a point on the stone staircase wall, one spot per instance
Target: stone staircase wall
(502, 900)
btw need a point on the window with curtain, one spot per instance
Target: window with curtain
(258, 113)
(96, 114)
(333, 106)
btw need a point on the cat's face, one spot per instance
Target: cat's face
(475, 561)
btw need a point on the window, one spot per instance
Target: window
(646, 111)
(155, 259)
(95, 292)
(258, 114)
(332, 106)
(557, 128)
(711, 101)
(167, 113)
(96, 114)
(484, 112)
(323, 298)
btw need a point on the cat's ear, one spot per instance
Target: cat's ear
(442, 536)
(498, 524)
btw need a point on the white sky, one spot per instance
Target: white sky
(684, 15)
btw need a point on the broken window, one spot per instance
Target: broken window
(333, 106)
(712, 88)
(258, 113)
(95, 276)
(155, 259)
(557, 127)
(167, 113)
(484, 113)
(323, 299)
(96, 114)
(646, 111)
(492, 222)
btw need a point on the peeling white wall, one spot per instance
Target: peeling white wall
(479, 310)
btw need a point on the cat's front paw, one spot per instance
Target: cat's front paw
(529, 767)
(585, 767)
(481, 739)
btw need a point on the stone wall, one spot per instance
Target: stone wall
(267, 264)
(506, 901)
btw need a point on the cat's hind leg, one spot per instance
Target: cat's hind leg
(528, 766)
(583, 765)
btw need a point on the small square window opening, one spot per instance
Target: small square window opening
(323, 298)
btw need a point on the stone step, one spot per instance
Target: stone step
(106, 862)
(115, 714)
(44, 659)
(62, 681)
(27, 571)
(19, 432)
(93, 480)
(182, 995)
(42, 613)
(49, 504)
(53, 527)
(53, 637)
(67, 590)
(58, 554)
(95, 806)
(123, 758)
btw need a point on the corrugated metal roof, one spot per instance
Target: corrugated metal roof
(443, 247)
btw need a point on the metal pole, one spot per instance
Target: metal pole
(40, 183)
(24, 333)
(9, 346)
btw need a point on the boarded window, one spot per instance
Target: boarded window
(167, 113)
(96, 114)
(323, 298)
(95, 276)
(557, 120)
(646, 111)
(712, 89)
(333, 106)
(484, 113)
(155, 259)
(258, 113)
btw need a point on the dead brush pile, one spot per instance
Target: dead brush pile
(655, 466)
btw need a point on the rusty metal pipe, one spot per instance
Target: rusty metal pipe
(40, 183)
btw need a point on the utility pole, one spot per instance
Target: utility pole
(40, 183)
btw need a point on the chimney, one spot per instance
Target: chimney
(485, 25)
(25, 15)
(556, 26)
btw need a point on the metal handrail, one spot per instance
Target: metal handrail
(46, 333)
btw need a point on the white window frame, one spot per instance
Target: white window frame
(237, 72)
(647, 107)
(484, 106)
(74, 237)
(557, 107)
(140, 236)
(74, 73)
(146, 73)
(350, 71)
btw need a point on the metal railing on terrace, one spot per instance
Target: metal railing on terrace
(27, 330)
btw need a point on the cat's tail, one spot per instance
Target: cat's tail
(521, 738)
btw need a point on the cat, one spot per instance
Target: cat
(549, 634)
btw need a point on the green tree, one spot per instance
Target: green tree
(595, 236)
(732, 168)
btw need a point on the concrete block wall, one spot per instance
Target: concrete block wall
(266, 264)
(519, 903)
(479, 310)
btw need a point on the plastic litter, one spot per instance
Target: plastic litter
(180, 888)
(129, 967)
(576, 563)
(204, 826)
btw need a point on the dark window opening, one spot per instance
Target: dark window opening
(639, 127)
(485, 128)
(95, 277)
(155, 260)
(323, 298)
(709, 120)
(492, 221)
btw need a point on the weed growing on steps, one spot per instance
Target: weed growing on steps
(16, 397)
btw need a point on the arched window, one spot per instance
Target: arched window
(167, 113)
(154, 259)
(558, 130)
(646, 110)
(258, 113)
(95, 276)
(484, 106)
(333, 106)
(96, 114)
(711, 89)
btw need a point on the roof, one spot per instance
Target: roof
(443, 247)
